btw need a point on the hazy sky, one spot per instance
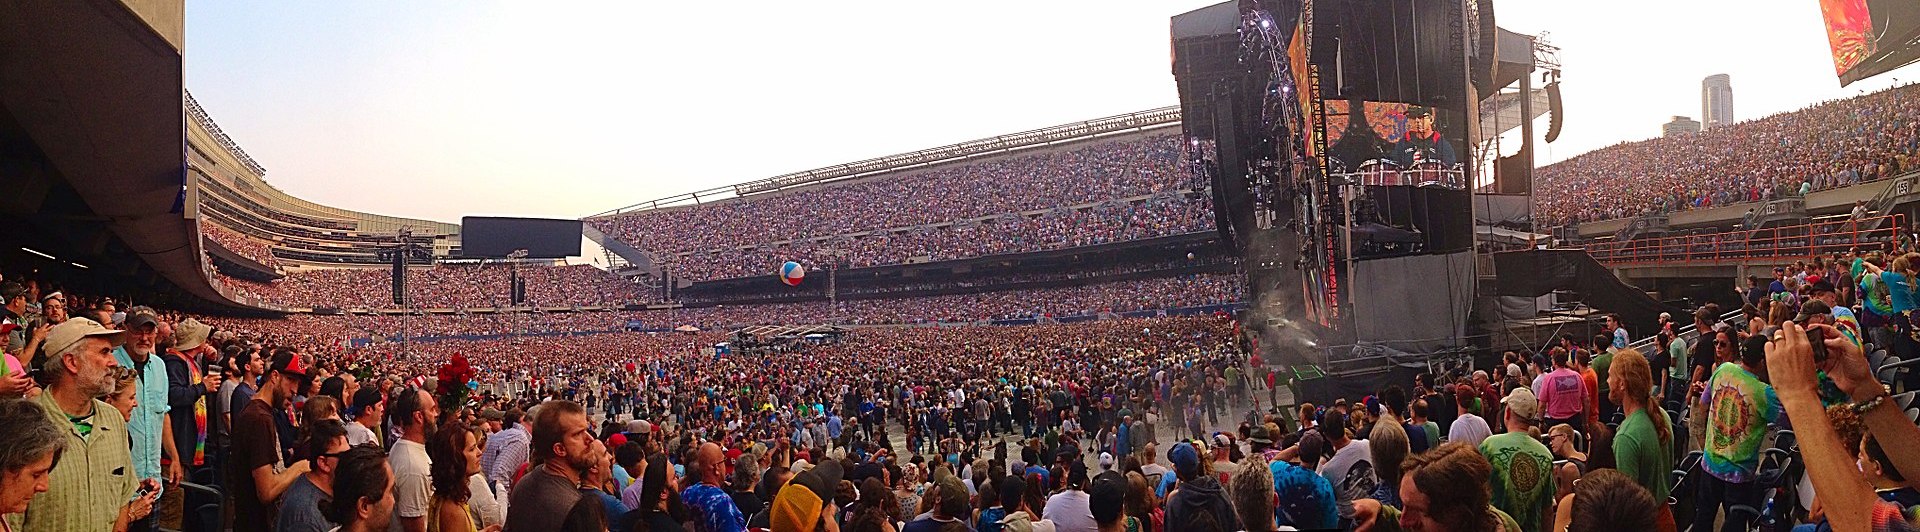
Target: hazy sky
(438, 109)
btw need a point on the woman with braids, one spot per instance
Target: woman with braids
(1444, 490)
(456, 456)
(362, 491)
(1643, 445)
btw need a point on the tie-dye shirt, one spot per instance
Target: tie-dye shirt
(1739, 411)
(713, 510)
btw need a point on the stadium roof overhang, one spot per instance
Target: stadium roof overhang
(91, 91)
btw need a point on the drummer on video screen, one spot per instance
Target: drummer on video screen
(1422, 143)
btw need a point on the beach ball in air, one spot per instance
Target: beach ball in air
(791, 273)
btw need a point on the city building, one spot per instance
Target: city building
(1716, 102)
(1680, 125)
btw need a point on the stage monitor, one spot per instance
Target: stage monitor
(1870, 37)
(495, 237)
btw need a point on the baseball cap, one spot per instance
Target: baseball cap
(1106, 460)
(1820, 286)
(1186, 460)
(800, 466)
(639, 426)
(1513, 370)
(1415, 111)
(1810, 309)
(1106, 498)
(142, 316)
(68, 333)
(1522, 403)
(289, 363)
(365, 399)
(795, 508)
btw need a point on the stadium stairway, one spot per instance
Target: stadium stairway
(615, 248)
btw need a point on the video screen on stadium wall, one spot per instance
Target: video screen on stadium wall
(495, 237)
(1869, 37)
(1399, 138)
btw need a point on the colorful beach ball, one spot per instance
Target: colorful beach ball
(791, 273)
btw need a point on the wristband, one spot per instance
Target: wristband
(1861, 407)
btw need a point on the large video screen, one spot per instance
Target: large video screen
(1869, 37)
(495, 237)
(1398, 143)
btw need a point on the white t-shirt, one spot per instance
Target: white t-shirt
(491, 510)
(358, 434)
(412, 480)
(1469, 429)
(1350, 470)
(1071, 511)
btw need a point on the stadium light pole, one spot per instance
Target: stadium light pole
(513, 282)
(833, 293)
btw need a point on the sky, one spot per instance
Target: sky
(438, 109)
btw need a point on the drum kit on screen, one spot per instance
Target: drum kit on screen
(1383, 172)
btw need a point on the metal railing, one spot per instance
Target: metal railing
(1784, 243)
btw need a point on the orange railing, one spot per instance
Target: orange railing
(1822, 238)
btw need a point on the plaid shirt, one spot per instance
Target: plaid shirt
(94, 479)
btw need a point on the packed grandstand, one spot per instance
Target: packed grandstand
(1125, 195)
(1824, 146)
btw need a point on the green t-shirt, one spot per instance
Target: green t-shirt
(1638, 453)
(1600, 365)
(1433, 434)
(1522, 477)
(1678, 350)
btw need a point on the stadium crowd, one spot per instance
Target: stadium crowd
(1832, 144)
(443, 286)
(1057, 229)
(1087, 300)
(240, 244)
(1116, 297)
(1078, 194)
(817, 289)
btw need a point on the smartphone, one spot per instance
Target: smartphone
(1818, 338)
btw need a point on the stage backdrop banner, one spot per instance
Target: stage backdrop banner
(1536, 273)
(1417, 304)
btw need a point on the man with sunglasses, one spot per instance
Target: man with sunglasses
(300, 506)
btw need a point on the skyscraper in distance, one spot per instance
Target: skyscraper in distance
(1716, 102)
